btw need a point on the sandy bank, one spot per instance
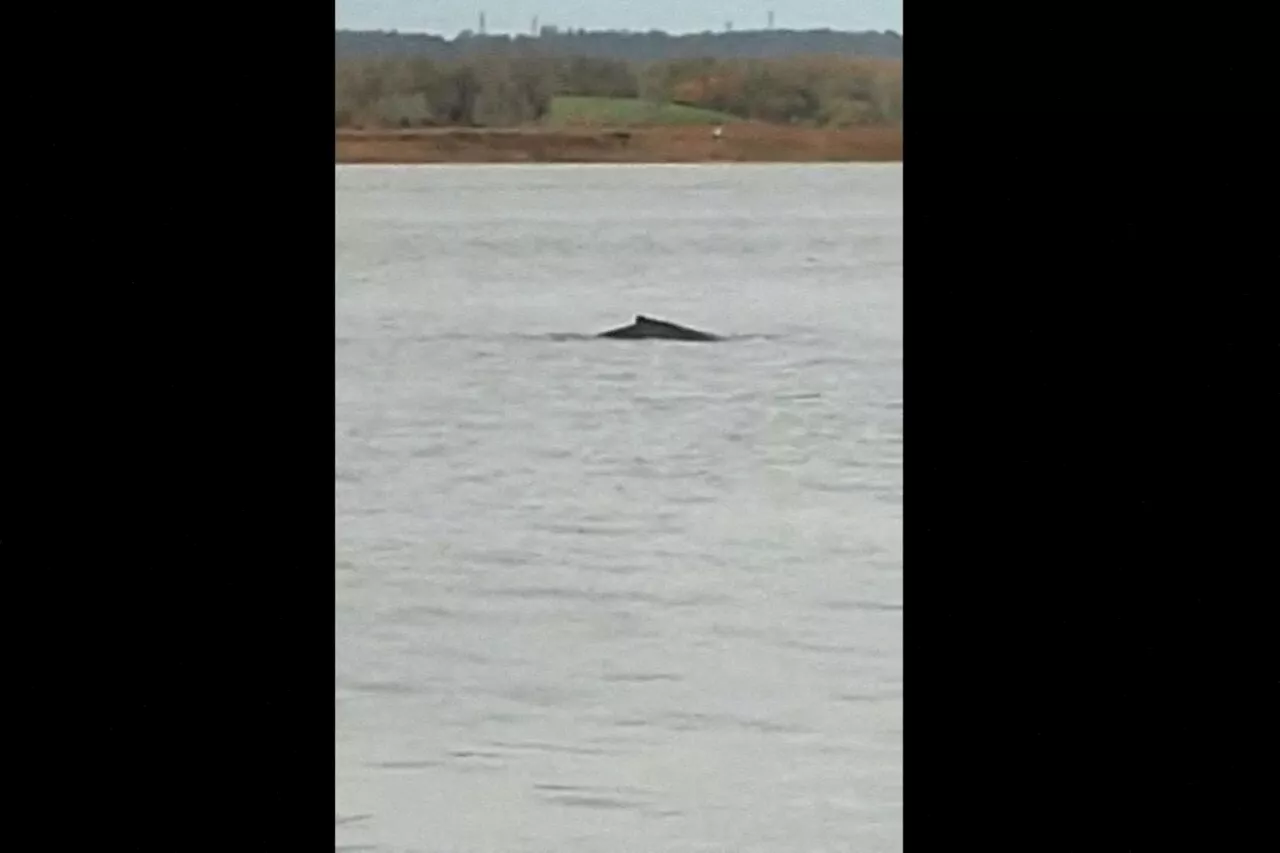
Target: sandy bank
(744, 142)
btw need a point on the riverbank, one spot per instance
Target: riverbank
(740, 142)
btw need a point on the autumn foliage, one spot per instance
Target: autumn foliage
(502, 91)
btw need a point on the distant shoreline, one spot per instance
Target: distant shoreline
(741, 142)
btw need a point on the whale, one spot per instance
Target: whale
(648, 327)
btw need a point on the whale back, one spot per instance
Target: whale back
(648, 327)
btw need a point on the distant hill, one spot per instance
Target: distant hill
(630, 46)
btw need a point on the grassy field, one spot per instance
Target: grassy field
(573, 110)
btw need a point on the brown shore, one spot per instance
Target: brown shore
(745, 142)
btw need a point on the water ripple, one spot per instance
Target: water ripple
(605, 597)
(863, 605)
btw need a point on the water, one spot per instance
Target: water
(611, 596)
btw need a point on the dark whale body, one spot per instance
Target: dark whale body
(647, 327)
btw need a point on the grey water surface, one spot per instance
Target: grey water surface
(598, 595)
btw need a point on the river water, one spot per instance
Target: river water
(597, 595)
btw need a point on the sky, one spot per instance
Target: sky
(448, 17)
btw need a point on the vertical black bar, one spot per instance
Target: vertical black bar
(169, 335)
(1091, 444)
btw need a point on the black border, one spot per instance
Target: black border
(169, 425)
(1092, 422)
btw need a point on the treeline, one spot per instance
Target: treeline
(500, 91)
(621, 45)
(425, 92)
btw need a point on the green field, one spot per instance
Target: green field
(574, 109)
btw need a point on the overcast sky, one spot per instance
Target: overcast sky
(448, 17)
